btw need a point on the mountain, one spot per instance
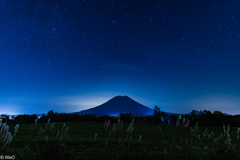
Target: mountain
(169, 113)
(196, 113)
(117, 105)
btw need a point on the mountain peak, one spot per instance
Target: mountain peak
(120, 96)
(120, 104)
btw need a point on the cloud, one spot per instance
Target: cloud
(78, 102)
(9, 109)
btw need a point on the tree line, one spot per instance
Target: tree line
(206, 118)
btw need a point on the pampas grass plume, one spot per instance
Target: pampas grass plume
(96, 136)
(35, 126)
(58, 133)
(46, 139)
(7, 139)
(108, 123)
(140, 137)
(16, 130)
(105, 124)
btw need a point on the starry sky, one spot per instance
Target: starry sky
(68, 56)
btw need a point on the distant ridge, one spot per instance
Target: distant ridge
(199, 113)
(117, 105)
(196, 113)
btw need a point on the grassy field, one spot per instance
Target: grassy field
(171, 143)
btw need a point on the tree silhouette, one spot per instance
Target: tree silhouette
(157, 111)
(219, 118)
(157, 115)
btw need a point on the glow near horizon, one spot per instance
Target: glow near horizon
(68, 104)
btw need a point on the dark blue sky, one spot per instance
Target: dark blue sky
(68, 56)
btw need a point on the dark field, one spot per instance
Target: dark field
(171, 143)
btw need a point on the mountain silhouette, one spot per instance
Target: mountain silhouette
(196, 112)
(199, 113)
(117, 105)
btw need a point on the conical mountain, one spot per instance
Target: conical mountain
(117, 105)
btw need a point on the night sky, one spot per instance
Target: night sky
(68, 56)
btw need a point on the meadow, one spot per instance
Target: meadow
(94, 140)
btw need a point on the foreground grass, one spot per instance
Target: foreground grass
(171, 143)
